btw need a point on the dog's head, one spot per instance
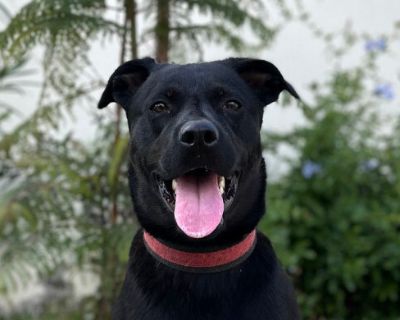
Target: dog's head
(196, 168)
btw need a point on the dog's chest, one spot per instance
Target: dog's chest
(205, 298)
(250, 291)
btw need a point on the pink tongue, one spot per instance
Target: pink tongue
(199, 205)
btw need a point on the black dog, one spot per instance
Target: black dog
(197, 179)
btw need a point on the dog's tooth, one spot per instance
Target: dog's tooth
(221, 183)
(174, 184)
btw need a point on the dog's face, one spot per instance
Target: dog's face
(196, 169)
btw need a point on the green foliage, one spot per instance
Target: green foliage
(335, 216)
(61, 25)
(12, 83)
(64, 29)
(223, 19)
(55, 211)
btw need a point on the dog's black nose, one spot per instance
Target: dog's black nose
(198, 132)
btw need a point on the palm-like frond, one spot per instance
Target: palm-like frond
(65, 29)
(11, 81)
(54, 23)
(4, 11)
(224, 18)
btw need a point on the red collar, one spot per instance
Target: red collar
(213, 261)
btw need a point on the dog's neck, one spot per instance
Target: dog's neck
(197, 260)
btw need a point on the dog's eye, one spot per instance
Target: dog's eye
(159, 107)
(232, 105)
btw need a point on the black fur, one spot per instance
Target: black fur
(258, 288)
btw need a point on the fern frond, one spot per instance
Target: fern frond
(65, 29)
(54, 23)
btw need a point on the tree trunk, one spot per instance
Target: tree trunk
(162, 30)
(111, 268)
(131, 17)
(129, 26)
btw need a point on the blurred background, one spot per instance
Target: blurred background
(66, 220)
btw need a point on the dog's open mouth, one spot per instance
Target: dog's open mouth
(198, 199)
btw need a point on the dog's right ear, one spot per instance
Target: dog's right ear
(125, 81)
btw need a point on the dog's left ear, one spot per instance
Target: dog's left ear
(125, 81)
(262, 76)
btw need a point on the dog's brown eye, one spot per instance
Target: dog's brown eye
(159, 107)
(232, 105)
